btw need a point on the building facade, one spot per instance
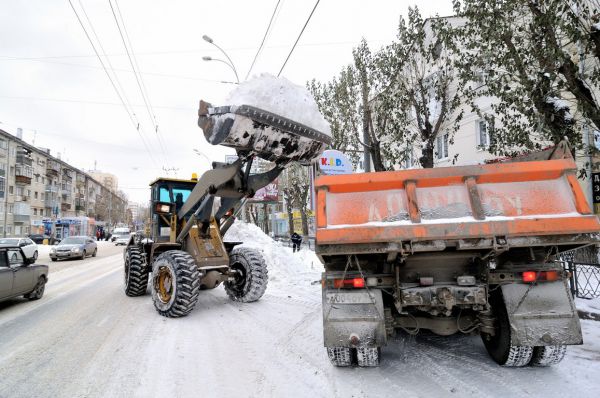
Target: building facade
(40, 193)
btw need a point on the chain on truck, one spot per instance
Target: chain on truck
(453, 250)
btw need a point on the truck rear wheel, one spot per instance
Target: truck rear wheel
(368, 356)
(548, 355)
(175, 283)
(499, 346)
(136, 272)
(252, 275)
(340, 356)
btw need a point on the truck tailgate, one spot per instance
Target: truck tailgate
(535, 198)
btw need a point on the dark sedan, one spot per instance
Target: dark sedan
(74, 247)
(19, 276)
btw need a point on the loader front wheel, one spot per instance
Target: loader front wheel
(136, 272)
(499, 346)
(251, 278)
(175, 283)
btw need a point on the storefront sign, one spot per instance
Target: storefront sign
(334, 162)
(269, 193)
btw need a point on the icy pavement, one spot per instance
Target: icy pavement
(425, 365)
(85, 338)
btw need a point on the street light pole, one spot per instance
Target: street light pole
(208, 39)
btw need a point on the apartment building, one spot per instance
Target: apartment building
(40, 193)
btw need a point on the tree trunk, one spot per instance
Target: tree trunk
(304, 222)
(266, 218)
(426, 158)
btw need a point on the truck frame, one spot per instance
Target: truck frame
(466, 249)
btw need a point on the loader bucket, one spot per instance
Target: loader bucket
(252, 130)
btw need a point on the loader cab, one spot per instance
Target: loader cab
(168, 195)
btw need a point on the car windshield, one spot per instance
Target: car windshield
(72, 241)
(9, 241)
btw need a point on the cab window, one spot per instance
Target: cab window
(3, 262)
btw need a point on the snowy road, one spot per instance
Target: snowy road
(85, 338)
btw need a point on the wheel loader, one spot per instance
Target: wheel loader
(184, 251)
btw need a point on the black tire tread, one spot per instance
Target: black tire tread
(137, 283)
(340, 356)
(257, 276)
(548, 355)
(187, 279)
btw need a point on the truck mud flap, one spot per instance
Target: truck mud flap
(353, 318)
(541, 314)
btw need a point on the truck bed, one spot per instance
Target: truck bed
(516, 204)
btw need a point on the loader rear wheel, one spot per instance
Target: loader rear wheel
(368, 356)
(499, 346)
(252, 275)
(548, 355)
(136, 273)
(175, 283)
(340, 356)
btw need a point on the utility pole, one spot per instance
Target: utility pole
(7, 171)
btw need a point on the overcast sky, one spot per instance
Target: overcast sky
(55, 89)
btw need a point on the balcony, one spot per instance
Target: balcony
(50, 203)
(52, 168)
(23, 174)
(23, 156)
(52, 188)
(21, 212)
(80, 203)
(22, 198)
(67, 175)
(65, 206)
(80, 181)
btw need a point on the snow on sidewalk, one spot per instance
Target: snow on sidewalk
(286, 268)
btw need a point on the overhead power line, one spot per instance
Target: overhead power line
(299, 36)
(263, 39)
(136, 69)
(131, 118)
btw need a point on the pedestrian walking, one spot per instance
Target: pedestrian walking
(296, 241)
(98, 235)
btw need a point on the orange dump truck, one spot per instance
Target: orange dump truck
(458, 249)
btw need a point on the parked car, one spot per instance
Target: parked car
(74, 247)
(39, 238)
(19, 276)
(29, 247)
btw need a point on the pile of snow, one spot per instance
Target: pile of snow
(300, 268)
(282, 97)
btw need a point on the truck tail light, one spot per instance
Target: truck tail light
(354, 283)
(538, 276)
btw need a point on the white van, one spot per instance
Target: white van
(120, 236)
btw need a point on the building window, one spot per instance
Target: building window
(8, 230)
(482, 134)
(10, 189)
(35, 195)
(10, 208)
(17, 230)
(35, 212)
(12, 171)
(42, 196)
(41, 212)
(442, 146)
(3, 144)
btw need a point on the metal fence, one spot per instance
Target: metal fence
(584, 268)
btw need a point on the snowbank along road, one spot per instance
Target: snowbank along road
(85, 338)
